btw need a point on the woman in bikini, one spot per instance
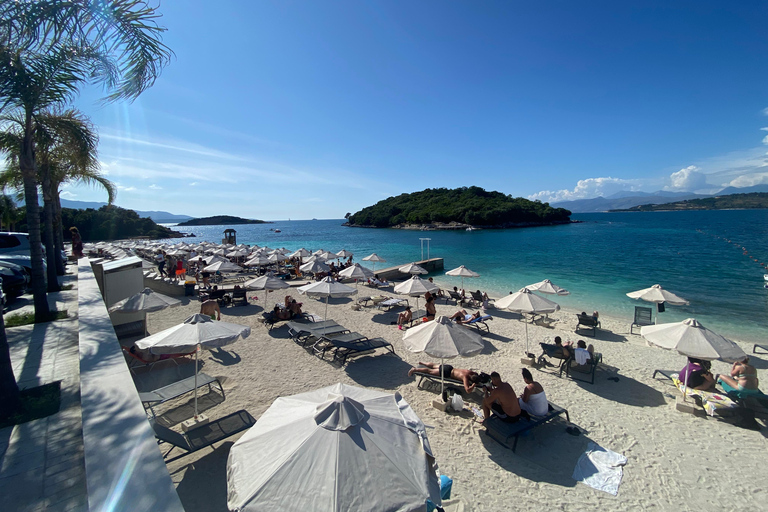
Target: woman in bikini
(743, 378)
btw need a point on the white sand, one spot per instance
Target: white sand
(676, 461)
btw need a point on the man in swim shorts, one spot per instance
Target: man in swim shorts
(468, 377)
(502, 401)
(211, 307)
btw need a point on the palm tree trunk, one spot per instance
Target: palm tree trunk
(28, 172)
(9, 390)
(50, 247)
(58, 233)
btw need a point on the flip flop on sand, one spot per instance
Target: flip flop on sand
(614, 379)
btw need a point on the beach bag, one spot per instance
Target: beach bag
(457, 403)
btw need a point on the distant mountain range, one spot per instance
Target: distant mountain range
(627, 199)
(157, 216)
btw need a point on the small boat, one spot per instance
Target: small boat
(470, 228)
(278, 231)
(765, 276)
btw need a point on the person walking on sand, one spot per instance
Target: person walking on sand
(160, 260)
(77, 242)
(502, 401)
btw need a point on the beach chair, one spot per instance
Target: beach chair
(455, 296)
(575, 370)
(239, 297)
(667, 374)
(758, 346)
(345, 350)
(417, 317)
(304, 334)
(136, 361)
(643, 316)
(479, 323)
(587, 322)
(501, 431)
(323, 343)
(456, 385)
(130, 329)
(391, 303)
(477, 298)
(553, 352)
(204, 435)
(177, 389)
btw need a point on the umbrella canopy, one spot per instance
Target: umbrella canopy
(375, 258)
(332, 449)
(526, 301)
(658, 294)
(223, 266)
(547, 286)
(315, 267)
(146, 301)
(237, 253)
(301, 253)
(462, 272)
(692, 339)
(415, 287)
(412, 268)
(266, 283)
(344, 254)
(327, 287)
(444, 339)
(197, 331)
(356, 271)
(257, 261)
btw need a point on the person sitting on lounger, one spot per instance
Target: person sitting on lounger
(375, 281)
(144, 354)
(430, 307)
(743, 378)
(405, 317)
(570, 351)
(696, 375)
(533, 400)
(468, 377)
(461, 316)
(281, 313)
(211, 307)
(502, 401)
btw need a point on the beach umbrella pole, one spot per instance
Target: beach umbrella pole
(196, 366)
(442, 380)
(526, 337)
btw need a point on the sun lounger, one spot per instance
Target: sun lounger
(136, 361)
(479, 323)
(551, 351)
(587, 322)
(239, 297)
(477, 298)
(345, 350)
(758, 346)
(643, 316)
(667, 374)
(502, 431)
(177, 389)
(573, 369)
(391, 303)
(308, 334)
(204, 435)
(324, 342)
(456, 385)
(130, 329)
(455, 296)
(270, 319)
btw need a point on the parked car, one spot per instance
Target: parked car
(15, 279)
(22, 261)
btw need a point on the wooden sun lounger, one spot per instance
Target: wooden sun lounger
(177, 389)
(204, 435)
(345, 350)
(502, 431)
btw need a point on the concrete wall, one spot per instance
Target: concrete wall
(393, 274)
(124, 467)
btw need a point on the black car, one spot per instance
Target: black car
(15, 279)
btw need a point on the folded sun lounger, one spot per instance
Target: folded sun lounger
(502, 431)
(204, 435)
(177, 389)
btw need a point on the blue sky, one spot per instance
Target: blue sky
(307, 109)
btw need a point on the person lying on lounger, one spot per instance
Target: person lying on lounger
(461, 316)
(468, 377)
(743, 378)
(533, 399)
(502, 401)
(378, 282)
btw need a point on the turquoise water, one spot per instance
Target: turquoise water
(598, 260)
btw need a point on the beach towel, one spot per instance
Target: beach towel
(582, 355)
(600, 469)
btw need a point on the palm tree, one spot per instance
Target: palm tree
(48, 50)
(8, 212)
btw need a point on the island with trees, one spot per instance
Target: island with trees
(219, 220)
(752, 201)
(113, 223)
(461, 208)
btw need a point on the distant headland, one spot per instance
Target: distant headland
(220, 220)
(753, 201)
(462, 208)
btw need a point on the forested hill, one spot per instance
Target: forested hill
(467, 205)
(219, 220)
(755, 200)
(112, 223)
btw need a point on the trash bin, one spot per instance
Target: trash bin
(189, 289)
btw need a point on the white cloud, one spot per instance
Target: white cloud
(588, 188)
(765, 112)
(155, 187)
(67, 195)
(688, 180)
(749, 180)
(193, 184)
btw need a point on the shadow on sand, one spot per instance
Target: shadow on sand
(380, 371)
(210, 473)
(250, 309)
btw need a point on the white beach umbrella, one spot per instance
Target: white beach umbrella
(327, 255)
(266, 283)
(375, 258)
(319, 251)
(526, 301)
(444, 339)
(658, 295)
(146, 301)
(218, 252)
(334, 449)
(691, 339)
(327, 287)
(356, 272)
(196, 332)
(415, 287)
(344, 254)
(314, 257)
(300, 253)
(462, 272)
(547, 286)
(315, 267)
(257, 261)
(412, 268)
(237, 253)
(223, 266)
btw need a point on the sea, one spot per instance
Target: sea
(714, 259)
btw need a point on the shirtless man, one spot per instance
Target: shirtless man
(210, 307)
(502, 400)
(468, 377)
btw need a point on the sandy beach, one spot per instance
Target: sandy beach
(676, 461)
